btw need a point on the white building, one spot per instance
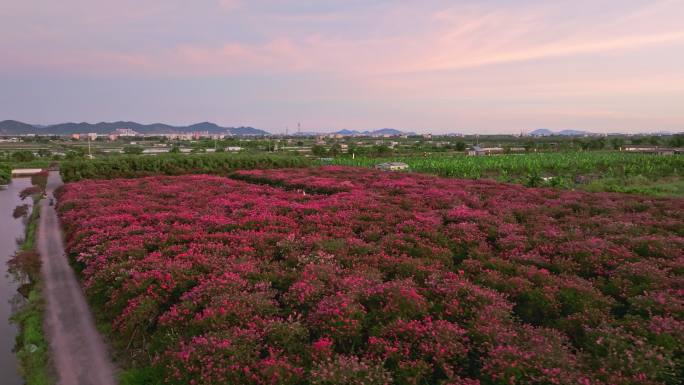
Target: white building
(392, 166)
(479, 151)
(157, 150)
(125, 132)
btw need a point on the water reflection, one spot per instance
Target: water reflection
(11, 230)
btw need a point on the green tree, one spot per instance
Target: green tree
(5, 174)
(44, 153)
(75, 154)
(677, 140)
(617, 142)
(335, 149)
(23, 156)
(133, 150)
(319, 150)
(381, 150)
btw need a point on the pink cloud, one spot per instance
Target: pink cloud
(456, 38)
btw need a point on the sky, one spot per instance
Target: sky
(487, 66)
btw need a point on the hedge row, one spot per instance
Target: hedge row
(137, 166)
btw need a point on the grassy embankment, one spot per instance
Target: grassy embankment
(31, 345)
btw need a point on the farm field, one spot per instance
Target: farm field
(341, 275)
(592, 171)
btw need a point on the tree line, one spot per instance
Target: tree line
(172, 164)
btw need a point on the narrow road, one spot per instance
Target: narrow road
(79, 354)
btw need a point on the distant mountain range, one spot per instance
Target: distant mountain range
(13, 127)
(547, 132)
(380, 132)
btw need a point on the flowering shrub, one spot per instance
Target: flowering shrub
(349, 370)
(339, 275)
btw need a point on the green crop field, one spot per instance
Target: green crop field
(594, 171)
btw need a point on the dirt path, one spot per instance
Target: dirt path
(79, 353)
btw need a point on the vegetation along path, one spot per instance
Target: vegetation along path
(80, 355)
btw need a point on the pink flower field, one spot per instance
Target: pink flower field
(340, 275)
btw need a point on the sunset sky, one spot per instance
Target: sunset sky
(426, 66)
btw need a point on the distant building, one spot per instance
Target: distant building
(233, 149)
(76, 136)
(517, 149)
(392, 166)
(92, 136)
(655, 150)
(157, 150)
(179, 136)
(125, 132)
(480, 151)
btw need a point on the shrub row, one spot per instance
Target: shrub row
(137, 166)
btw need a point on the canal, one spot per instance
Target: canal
(11, 230)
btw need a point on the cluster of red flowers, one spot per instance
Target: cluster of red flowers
(340, 275)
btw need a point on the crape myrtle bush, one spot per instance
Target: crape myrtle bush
(379, 278)
(137, 166)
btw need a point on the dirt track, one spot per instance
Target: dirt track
(79, 354)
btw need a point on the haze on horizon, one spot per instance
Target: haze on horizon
(426, 66)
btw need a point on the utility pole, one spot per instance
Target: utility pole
(90, 156)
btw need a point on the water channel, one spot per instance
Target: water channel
(11, 230)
